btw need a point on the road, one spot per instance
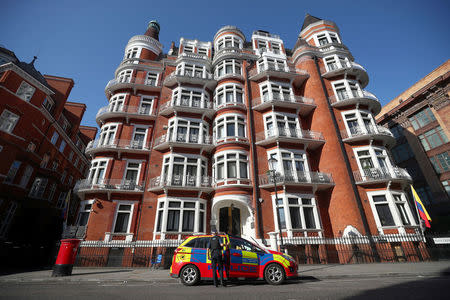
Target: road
(406, 287)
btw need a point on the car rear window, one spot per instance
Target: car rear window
(201, 242)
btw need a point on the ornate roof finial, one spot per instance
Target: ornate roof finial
(34, 59)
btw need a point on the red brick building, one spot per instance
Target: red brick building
(186, 139)
(42, 155)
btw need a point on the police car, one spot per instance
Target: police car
(243, 259)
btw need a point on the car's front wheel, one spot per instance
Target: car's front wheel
(274, 274)
(190, 275)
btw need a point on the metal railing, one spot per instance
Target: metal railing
(289, 132)
(266, 34)
(356, 95)
(231, 74)
(367, 130)
(188, 103)
(228, 104)
(183, 138)
(277, 68)
(190, 74)
(297, 177)
(190, 181)
(109, 184)
(193, 55)
(381, 174)
(118, 144)
(332, 46)
(132, 110)
(133, 80)
(282, 98)
(341, 66)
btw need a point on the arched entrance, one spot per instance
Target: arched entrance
(230, 220)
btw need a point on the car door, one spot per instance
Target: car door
(244, 262)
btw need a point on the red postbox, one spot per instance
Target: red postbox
(66, 257)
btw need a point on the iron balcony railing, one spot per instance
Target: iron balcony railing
(381, 174)
(226, 104)
(282, 98)
(366, 130)
(333, 67)
(277, 68)
(109, 184)
(132, 81)
(227, 74)
(332, 47)
(187, 103)
(266, 34)
(191, 74)
(117, 144)
(299, 177)
(184, 138)
(189, 181)
(126, 109)
(193, 55)
(289, 133)
(354, 95)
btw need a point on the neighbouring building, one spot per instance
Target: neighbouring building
(42, 157)
(186, 138)
(419, 118)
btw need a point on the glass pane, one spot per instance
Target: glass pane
(309, 217)
(122, 222)
(188, 220)
(384, 214)
(282, 217)
(295, 217)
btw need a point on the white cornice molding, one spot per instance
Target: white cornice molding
(147, 42)
(25, 75)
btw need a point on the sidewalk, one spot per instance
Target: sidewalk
(321, 272)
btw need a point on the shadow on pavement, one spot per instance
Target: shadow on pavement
(105, 272)
(244, 282)
(10, 271)
(429, 288)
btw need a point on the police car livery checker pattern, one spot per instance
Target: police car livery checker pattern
(243, 259)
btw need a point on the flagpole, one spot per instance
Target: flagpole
(419, 219)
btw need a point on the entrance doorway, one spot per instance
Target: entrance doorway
(230, 220)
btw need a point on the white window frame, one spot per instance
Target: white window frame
(48, 104)
(13, 169)
(8, 121)
(108, 134)
(191, 70)
(350, 94)
(398, 223)
(82, 209)
(134, 144)
(146, 100)
(167, 171)
(362, 127)
(226, 161)
(117, 211)
(38, 188)
(94, 170)
(117, 102)
(327, 35)
(276, 130)
(224, 120)
(341, 62)
(125, 76)
(220, 69)
(139, 168)
(228, 41)
(27, 91)
(373, 156)
(223, 90)
(283, 197)
(133, 52)
(183, 96)
(277, 153)
(266, 63)
(267, 91)
(163, 207)
(152, 78)
(174, 125)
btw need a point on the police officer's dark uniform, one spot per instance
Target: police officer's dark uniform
(215, 247)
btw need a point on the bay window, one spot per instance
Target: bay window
(272, 64)
(131, 175)
(8, 121)
(346, 89)
(184, 170)
(38, 188)
(191, 70)
(139, 138)
(190, 97)
(291, 164)
(231, 165)
(116, 102)
(125, 76)
(229, 93)
(181, 215)
(335, 62)
(107, 134)
(227, 67)
(229, 125)
(359, 122)
(186, 130)
(146, 106)
(325, 38)
(229, 42)
(297, 212)
(281, 124)
(84, 212)
(97, 171)
(276, 91)
(374, 162)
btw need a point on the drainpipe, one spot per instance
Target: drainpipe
(347, 165)
(256, 194)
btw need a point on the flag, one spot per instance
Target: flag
(421, 208)
(66, 207)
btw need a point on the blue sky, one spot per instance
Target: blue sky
(398, 42)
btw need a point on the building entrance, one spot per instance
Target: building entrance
(230, 220)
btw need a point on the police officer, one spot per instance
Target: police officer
(215, 249)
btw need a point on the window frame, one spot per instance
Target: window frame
(6, 123)
(226, 164)
(25, 87)
(83, 210)
(94, 170)
(177, 122)
(167, 170)
(117, 211)
(222, 92)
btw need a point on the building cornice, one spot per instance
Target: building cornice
(11, 66)
(150, 43)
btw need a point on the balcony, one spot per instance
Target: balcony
(133, 83)
(230, 104)
(119, 145)
(304, 105)
(333, 47)
(379, 175)
(188, 77)
(279, 71)
(309, 138)
(180, 182)
(187, 105)
(190, 55)
(125, 111)
(109, 185)
(317, 180)
(166, 141)
(231, 140)
(349, 68)
(369, 132)
(358, 97)
(229, 75)
(232, 182)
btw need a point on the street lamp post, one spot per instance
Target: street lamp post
(273, 171)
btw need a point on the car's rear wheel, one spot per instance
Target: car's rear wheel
(190, 275)
(274, 274)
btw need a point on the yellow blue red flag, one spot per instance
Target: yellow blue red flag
(421, 208)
